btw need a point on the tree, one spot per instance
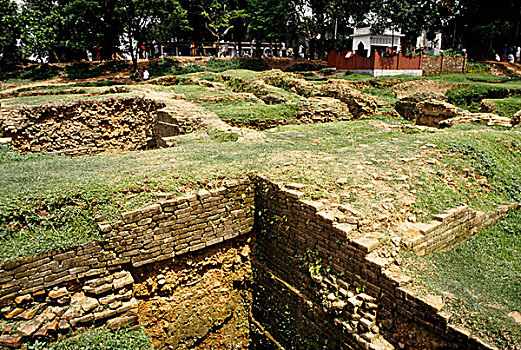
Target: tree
(42, 21)
(147, 20)
(9, 30)
(483, 27)
(268, 19)
(65, 29)
(218, 17)
(411, 16)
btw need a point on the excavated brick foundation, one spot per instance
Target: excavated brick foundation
(94, 126)
(247, 264)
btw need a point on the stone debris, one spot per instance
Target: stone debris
(360, 104)
(43, 320)
(488, 119)
(355, 312)
(434, 112)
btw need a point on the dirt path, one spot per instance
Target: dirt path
(507, 68)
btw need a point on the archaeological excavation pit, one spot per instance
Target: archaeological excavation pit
(94, 126)
(246, 264)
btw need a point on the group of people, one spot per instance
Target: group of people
(510, 54)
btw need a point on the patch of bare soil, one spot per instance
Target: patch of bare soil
(516, 316)
(409, 88)
(198, 301)
(506, 69)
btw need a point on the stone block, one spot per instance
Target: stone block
(82, 320)
(104, 288)
(23, 299)
(122, 321)
(10, 341)
(367, 245)
(131, 305)
(104, 228)
(64, 325)
(123, 280)
(58, 293)
(105, 314)
(28, 328)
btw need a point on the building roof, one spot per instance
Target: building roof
(366, 31)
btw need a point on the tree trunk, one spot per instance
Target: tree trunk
(54, 55)
(132, 55)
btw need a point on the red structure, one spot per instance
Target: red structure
(376, 64)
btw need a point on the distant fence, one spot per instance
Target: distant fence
(375, 62)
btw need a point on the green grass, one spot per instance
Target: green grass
(480, 281)
(241, 73)
(243, 111)
(50, 201)
(481, 79)
(192, 92)
(16, 102)
(100, 339)
(507, 107)
(385, 94)
(493, 156)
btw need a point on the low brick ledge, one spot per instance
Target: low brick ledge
(449, 228)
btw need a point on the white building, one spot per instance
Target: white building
(364, 42)
(431, 47)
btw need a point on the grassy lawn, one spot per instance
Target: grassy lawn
(480, 281)
(507, 107)
(50, 201)
(193, 92)
(385, 94)
(16, 102)
(247, 110)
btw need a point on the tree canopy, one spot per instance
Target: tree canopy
(9, 30)
(66, 29)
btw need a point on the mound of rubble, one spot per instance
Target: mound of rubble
(323, 109)
(84, 127)
(409, 88)
(360, 104)
(431, 109)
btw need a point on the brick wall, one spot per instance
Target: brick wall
(435, 65)
(84, 127)
(91, 284)
(292, 236)
(319, 283)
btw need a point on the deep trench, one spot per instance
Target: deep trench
(276, 295)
